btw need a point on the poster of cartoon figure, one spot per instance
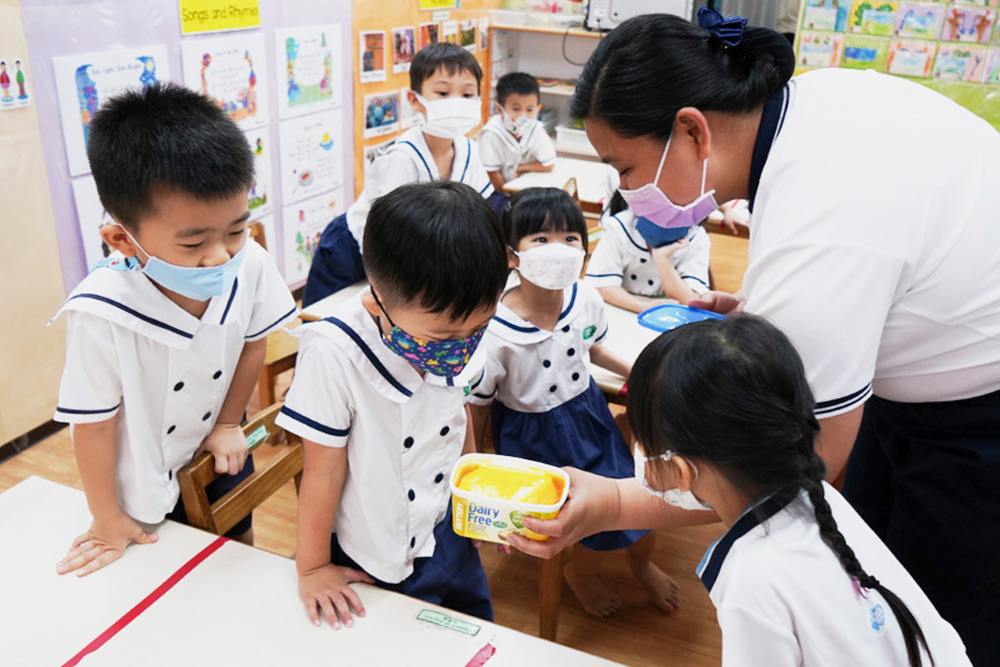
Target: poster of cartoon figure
(230, 71)
(308, 69)
(90, 216)
(303, 224)
(261, 195)
(85, 81)
(13, 87)
(311, 155)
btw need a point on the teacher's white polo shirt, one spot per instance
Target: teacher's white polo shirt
(132, 352)
(874, 240)
(403, 433)
(783, 598)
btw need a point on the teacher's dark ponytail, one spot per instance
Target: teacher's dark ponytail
(733, 393)
(651, 66)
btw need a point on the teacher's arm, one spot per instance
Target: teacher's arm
(836, 439)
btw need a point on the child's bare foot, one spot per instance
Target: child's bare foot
(662, 589)
(596, 598)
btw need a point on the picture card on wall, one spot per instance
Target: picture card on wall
(820, 49)
(90, 216)
(404, 47)
(873, 18)
(960, 62)
(820, 15)
(484, 34)
(312, 155)
(919, 20)
(372, 57)
(381, 114)
(992, 72)
(467, 38)
(427, 34)
(910, 57)
(968, 24)
(230, 71)
(14, 92)
(308, 65)
(261, 196)
(85, 81)
(449, 32)
(303, 224)
(864, 52)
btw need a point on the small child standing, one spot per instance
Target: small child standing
(637, 257)
(378, 397)
(166, 338)
(513, 142)
(444, 92)
(545, 405)
(724, 418)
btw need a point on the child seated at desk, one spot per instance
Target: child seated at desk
(166, 338)
(445, 81)
(513, 142)
(378, 397)
(636, 257)
(545, 405)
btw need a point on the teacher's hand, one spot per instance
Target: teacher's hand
(592, 506)
(720, 302)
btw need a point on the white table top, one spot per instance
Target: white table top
(591, 179)
(238, 606)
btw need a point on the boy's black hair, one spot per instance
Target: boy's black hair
(437, 244)
(733, 393)
(452, 57)
(518, 83)
(164, 137)
(535, 210)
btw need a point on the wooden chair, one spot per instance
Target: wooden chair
(219, 517)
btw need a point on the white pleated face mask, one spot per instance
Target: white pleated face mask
(683, 499)
(553, 266)
(450, 117)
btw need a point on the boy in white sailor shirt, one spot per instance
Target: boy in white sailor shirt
(636, 257)
(513, 142)
(444, 92)
(378, 398)
(166, 337)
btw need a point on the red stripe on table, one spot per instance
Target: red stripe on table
(147, 602)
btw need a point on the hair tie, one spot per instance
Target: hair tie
(728, 29)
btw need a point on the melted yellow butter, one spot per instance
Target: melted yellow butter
(516, 484)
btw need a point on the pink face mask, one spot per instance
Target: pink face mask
(649, 201)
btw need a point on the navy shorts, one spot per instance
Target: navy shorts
(220, 487)
(337, 263)
(453, 577)
(926, 478)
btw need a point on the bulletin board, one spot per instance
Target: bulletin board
(950, 46)
(282, 70)
(386, 35)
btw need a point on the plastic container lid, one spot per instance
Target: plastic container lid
(669, 316)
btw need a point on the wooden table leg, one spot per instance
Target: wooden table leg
(549, 594)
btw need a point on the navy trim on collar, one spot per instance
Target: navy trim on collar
(572, 300)
(313, 424)
(750, 520)
(73, 411)
(468, 156)
(134, 313)
(232, 295)
(416, 150)
(488, 184)
(603, 275)
(771, 120)
(353, 335)
(515, 327)
(629, 236)
(254, 335)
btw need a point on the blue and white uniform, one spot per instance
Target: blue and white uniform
(133, 352)
(403, 433)
(337, 263)
(500, 151)
(622, 259)
(784, 600)
(878, 258)
(545, 405)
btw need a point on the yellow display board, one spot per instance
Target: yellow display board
(218, 15)
(950, 46)
(386, 36)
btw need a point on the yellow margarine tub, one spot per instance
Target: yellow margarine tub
(491, 493)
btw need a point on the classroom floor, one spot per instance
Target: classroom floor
(638, 635)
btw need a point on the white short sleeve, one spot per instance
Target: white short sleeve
(542, 148)
(273, 305)
(750, 640)
(596, 314)
(91, 386)
(607, 264)
(831, 298)
(319, 405)
(490, 151)
(476, 176)
(692, 262)
(483, 391)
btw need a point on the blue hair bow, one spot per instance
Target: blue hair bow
(727, 28)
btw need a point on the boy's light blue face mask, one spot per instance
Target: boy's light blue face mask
(200, 283)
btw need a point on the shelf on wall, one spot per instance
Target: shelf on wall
(548, 30)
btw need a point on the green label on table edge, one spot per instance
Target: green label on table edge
(445, 621)
(258, 436)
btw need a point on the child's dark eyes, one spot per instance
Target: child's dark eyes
(191, 246)
(572, 239)
(239, 233)
(540, 239)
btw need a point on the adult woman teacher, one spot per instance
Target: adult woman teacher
(873, 246)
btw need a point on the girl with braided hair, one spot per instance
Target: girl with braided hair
(724, 419)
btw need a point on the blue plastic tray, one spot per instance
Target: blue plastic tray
(669, 316)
